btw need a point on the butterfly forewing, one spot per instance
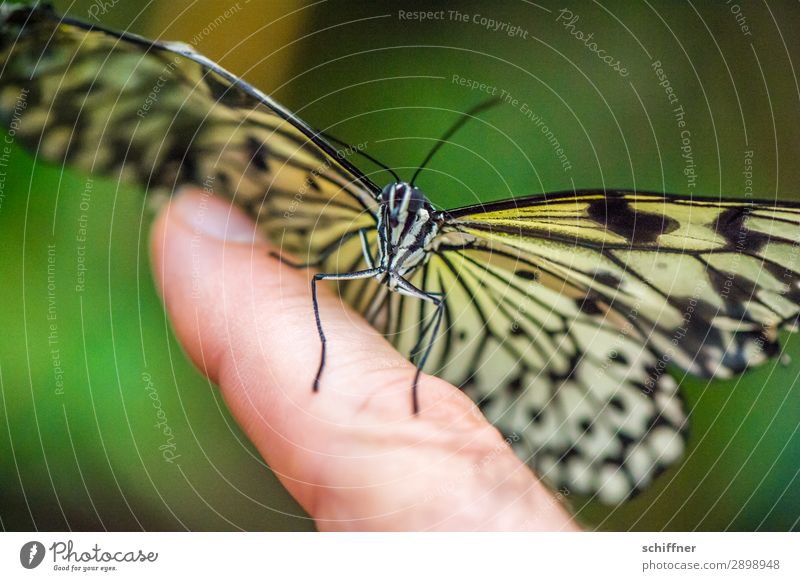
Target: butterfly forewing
(122, 106)
(701, 280)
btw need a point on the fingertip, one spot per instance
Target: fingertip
(211, 216)
(194, 214)
(199, 243)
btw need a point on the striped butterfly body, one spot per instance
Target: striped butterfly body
(407, 227)
(558, 313)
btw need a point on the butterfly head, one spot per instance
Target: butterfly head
(401, 201)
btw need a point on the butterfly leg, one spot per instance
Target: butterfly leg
(414, 353)
(368, 273)
(428, 348)
(406, 288)
(365, 247)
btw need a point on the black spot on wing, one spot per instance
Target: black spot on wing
(695, 311)
(516, 385)
(557, 377)
(224, 181)
(788, 275)
(617, 403)
(618, 216)
(259, 154)
(714, 350)
(732, 225)
(589, 305)
(737, 291)
(313, 184)
(527, 274)
(607, 279)
(485, 402)
(618, 357)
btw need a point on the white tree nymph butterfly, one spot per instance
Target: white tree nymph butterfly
(558, 313)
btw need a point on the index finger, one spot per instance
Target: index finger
(353, 454)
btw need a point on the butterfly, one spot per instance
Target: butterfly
(559, 313)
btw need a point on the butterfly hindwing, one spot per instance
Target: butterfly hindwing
(581, 401)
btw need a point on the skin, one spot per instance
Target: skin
(353, 455)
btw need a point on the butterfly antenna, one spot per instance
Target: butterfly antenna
(361, 153)
(479, 108)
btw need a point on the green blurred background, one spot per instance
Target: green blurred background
(90, 459)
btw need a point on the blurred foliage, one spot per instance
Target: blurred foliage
(90, 458)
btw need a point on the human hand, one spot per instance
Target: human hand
(353, 454)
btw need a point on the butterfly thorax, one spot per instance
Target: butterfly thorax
(407, 226)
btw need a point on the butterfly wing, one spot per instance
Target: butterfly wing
(565, 387)
(706, 283)
(564, 311)
(161, 115)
